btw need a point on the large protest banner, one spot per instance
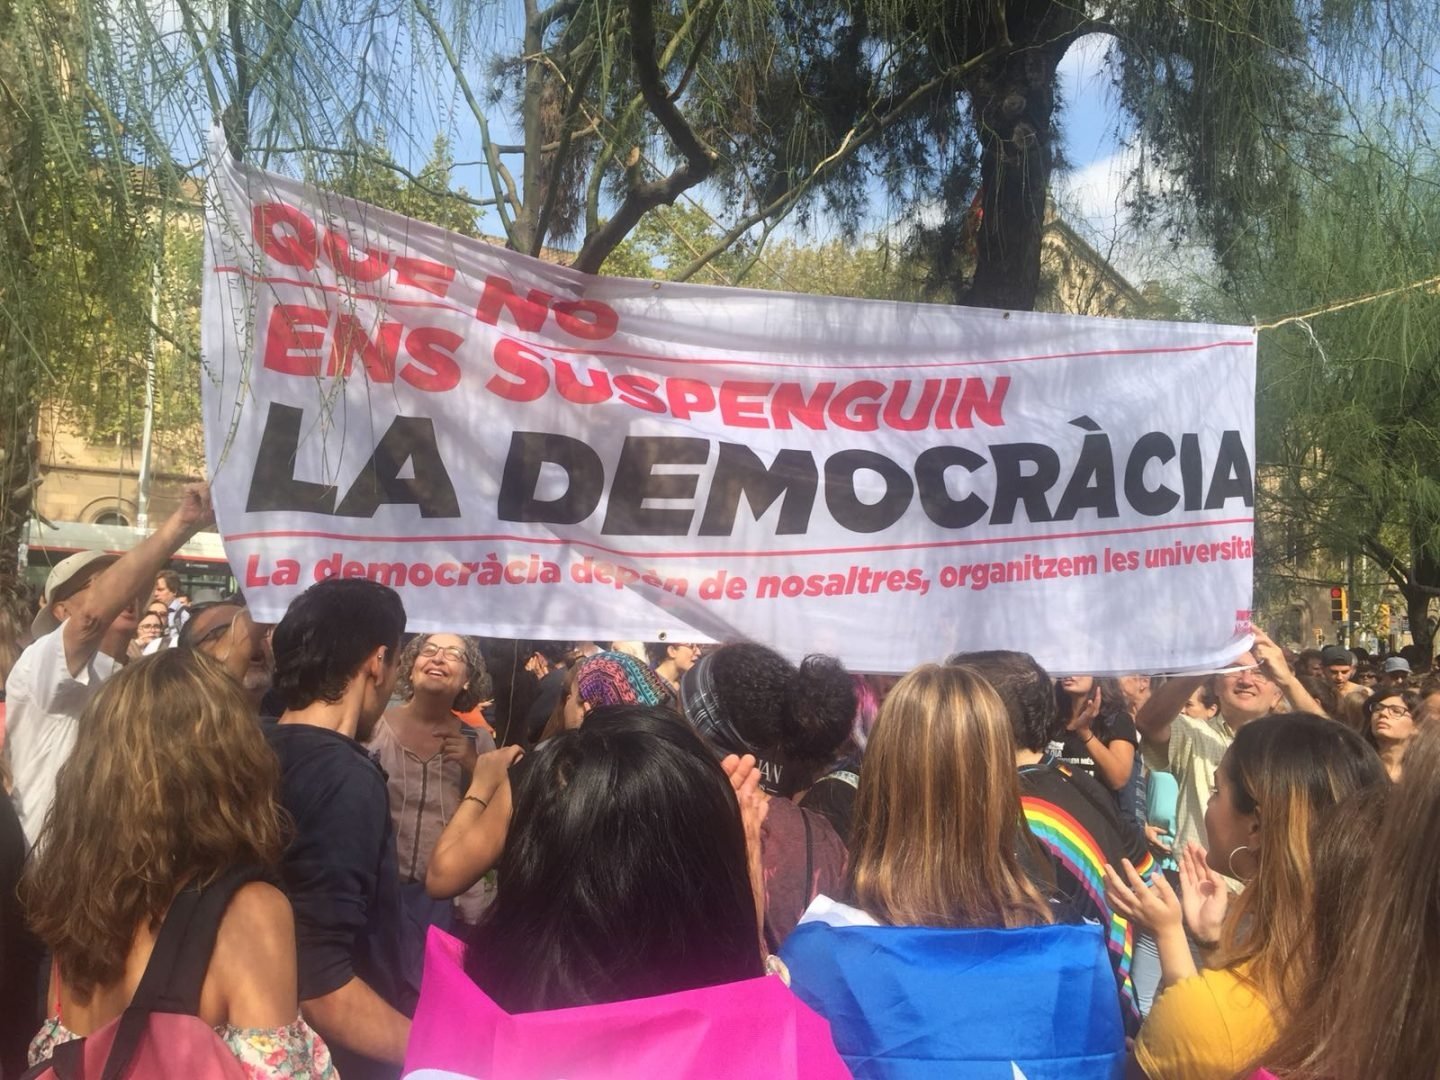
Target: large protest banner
(525, 451)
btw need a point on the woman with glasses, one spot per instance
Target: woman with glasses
(1390, 724)
(429, 756)
(672, 661)
(151, 627)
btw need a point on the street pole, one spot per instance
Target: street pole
(147, 439)
(1349, 625)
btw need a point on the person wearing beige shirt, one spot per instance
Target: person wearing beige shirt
(428, 757)
(1191, 748)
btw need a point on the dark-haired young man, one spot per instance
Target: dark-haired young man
(335, 667)
(1339, 665)
(1066, 809)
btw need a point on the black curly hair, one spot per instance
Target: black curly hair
(801, 715)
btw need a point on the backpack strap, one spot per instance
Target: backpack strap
(176, 970)
(66, 1062)
(809, 855)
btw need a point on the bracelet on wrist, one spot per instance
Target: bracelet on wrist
(476, 798)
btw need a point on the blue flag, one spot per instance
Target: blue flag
(908, 1002)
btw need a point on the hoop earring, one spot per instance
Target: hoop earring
(1230, 863)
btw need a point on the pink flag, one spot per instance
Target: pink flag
(756, 1028)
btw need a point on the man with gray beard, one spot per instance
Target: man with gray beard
(224, 631)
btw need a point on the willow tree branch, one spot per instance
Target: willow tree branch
(1392, 564)
(554, 13)
(279, 34)
(550, 147)
(212, 92)
(643, 196)
(610, 146)
(562, 152)
(415, 181)
(701, 40)
(531, 99)
(236, 118)
(492, 157)
(855, 139)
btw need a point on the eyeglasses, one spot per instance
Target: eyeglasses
(215, 633)
(450, 652)
(1390, 710)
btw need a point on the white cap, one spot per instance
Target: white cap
(64, 581)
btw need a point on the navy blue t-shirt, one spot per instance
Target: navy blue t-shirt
(340, 869)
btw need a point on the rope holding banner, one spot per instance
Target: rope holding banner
(1345, 304)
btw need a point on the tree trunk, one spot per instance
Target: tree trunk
(17, 491)
(1417, 609)
(1013, 101)
(22, 164)
(1425, 575)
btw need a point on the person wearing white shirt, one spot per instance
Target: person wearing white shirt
(81, 637)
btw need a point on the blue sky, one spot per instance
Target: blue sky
(1088, 193)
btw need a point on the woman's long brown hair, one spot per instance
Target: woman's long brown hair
(1288, 770)
(170, 782)
(938, 823)
(1373, 1011)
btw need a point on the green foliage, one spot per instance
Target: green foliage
(666, 242)
(370, 174)
(1348, 409)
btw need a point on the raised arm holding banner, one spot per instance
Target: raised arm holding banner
(525, 451)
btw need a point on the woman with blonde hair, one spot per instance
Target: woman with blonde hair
(1370, 1010)
(168, 799)
(953, 962)
(1279, 776)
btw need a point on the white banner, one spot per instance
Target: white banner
(526, 451)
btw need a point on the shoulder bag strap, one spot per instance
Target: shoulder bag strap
(176, 971)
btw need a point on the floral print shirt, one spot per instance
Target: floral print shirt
(294, 1050)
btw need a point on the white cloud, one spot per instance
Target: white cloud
(1094, 200)
(1083, 68)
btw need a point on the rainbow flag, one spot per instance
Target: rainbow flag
(1080, 855)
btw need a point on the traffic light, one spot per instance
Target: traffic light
(1339, 605)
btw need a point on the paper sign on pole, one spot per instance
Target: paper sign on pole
(525, 451)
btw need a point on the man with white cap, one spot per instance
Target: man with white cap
(89, 613)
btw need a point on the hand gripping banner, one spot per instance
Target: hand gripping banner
(525, 451)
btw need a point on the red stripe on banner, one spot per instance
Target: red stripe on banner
(301, 534)
(838, 365)
(707, 361)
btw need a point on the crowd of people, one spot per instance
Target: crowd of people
(333, 846)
